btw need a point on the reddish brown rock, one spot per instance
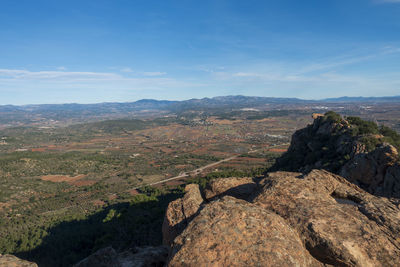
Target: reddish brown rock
(317, 219)
(180, 212)
(316, 115)
(339, 223)
(233, 232)
(12, 261)
(241, 188)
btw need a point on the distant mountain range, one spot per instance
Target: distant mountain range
(237, 101)
(11, 115)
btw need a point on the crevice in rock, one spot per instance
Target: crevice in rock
(203, 195)
(346, 199)
(187, 220)
(320, 252)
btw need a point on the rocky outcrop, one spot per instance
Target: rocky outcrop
(323, 144)
(349, 148)
(294, 219)
(138, 257)
(180, 212)
(378, 172)
(12, 261)
(335, 219)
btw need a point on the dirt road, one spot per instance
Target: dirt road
(199, 170)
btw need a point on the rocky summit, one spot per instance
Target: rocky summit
(358, 150)
(288, 219)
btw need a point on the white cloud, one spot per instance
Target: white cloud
(144, 73)
(56, 75)
(154, 73)
(18, 86)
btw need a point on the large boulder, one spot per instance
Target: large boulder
(339, 223)
(180, 212)
(12, 261)
(233, 232)
(294, 219)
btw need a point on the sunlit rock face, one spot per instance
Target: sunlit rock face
(292, 219)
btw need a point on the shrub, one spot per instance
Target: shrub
(362, 127)
(333, 116)
(370, 142)
(390, 136)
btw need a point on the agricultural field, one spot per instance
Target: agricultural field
(53, 175)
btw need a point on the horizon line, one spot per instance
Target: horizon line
(171, 100)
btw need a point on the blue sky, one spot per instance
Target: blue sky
(119, 51)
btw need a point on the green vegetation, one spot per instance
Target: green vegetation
(332, 117)
(367, 130)
(131, 221)
(362, 127)
(135, 221)
(390, 136)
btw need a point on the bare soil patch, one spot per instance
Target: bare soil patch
(134, 192)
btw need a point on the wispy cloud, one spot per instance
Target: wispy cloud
(143, 73)
(57, 75)
(319, 78)
(372, 71)
(72, 75)
(154, 73)
(21, 86)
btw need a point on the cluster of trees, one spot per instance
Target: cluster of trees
(367, 129)
(65, 239)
